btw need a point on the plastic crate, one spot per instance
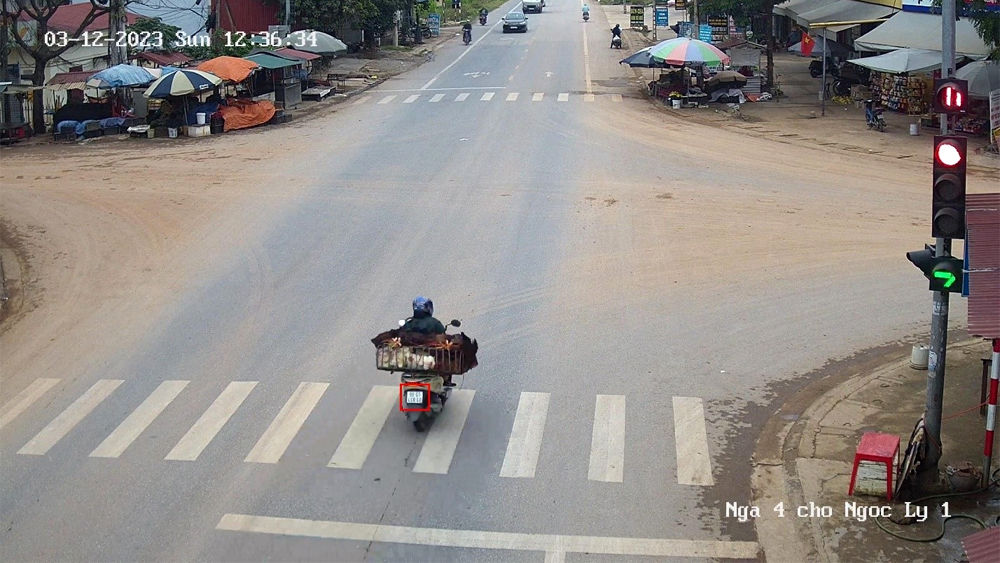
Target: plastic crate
(112, 130)
(419, 359)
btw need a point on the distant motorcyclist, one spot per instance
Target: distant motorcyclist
(616, 31)
(586, 12)
(467, 31)
(483, 12)
(423, 320)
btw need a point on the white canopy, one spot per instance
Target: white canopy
(842, 11)
(903, 60)
(921, 31)
(983, 77)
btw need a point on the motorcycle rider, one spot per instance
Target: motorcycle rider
(483, 13)
(616, 31)
(423, 322)
(586, 11)
(467, 31)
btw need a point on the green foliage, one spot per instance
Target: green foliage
(987, 24)
(154, 25)
(218, 49)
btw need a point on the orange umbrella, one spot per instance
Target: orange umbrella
(231, 69)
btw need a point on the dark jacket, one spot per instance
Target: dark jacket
(466, 26)
(616, 31)
(425, 324)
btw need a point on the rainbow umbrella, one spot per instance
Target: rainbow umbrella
(685, 51)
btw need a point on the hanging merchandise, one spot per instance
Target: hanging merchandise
(900, 93)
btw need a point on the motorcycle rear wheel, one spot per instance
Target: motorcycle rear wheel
(420, 424)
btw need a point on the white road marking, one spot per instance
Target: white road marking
(211, 422)
(361, 100)
(461, 97)
(512, 97)
(607, 447)
(694, 463)
(442, 89)
(487, 96)
(474, 539)
(616, 97)
(558, 556)
(526, 437)
(548, 75)
(437, 98)
(69, 418)
(537, 96)
(586, 62)
(25, 399)
(387, 99)
(140, 419)
(465, 52)
(286, 425)
(564, 97)
(357, 443)
(588, 97)
(410, 99)
(442, 438)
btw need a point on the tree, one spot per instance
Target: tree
(744, 10)
(40, 50)
(156, 25)
(372, 16)
(987, 24)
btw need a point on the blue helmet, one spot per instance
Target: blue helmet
(422, 305)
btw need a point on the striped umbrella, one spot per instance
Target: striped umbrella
(683, 51)
(182, 82)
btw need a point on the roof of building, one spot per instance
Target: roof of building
(70, 16)
(164, 59)
(71, 77)
(269, 61)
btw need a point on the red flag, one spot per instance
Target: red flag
(807, 44)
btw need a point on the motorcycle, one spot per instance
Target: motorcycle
(616, 42)
(422, 396)
(467, 36)
(586, 16)
(873, 115)
(482, 20)
(816, 68)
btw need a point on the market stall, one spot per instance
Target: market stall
(280, 76)
(983, 78)
(691, 57)
(176, 89)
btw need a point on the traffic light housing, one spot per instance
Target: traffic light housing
(948, 208)
(945, 273)
(951, 96)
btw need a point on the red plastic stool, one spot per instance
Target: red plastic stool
(878, 448)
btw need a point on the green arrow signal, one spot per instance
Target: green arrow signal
(946, 276)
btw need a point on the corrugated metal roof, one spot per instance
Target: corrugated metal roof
(983, 546)
(286, 52)
(71, 16)
(165, 59)
(269, 61)
(982, 217)
(71, 77)
(248, 16)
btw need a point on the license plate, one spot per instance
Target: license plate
(414, 397)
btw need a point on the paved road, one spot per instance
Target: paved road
(626, 354)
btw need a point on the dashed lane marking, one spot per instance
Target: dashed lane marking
(461, 97)
(564, 97)
(437, 98)
(616, 97)
(387, 99)
(487, 96)
(537, 96)
(410, 99)
(512, 97)
(361, 100)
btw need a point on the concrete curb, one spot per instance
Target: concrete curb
(775, 475)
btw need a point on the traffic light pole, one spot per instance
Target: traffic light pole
(939, 316)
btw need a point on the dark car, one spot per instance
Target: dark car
(515, 21)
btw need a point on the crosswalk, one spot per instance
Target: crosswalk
(607, 459)
(436, 98)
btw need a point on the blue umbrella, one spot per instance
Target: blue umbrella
(120, 76)
(642, 58)
(182, 82)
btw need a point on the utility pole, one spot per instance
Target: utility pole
(4, 53)
(116, 46)
(288, 12)
(939, 316)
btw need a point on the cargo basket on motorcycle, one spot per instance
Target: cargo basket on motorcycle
(420, 359)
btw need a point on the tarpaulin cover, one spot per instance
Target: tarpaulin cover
(233, 69)
(240, 114)
(452, 342)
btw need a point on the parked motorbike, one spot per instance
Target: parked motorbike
(816, 68)
(873, 115)
(616, 42)
(467, 36)
(482, 20)
(422, 396)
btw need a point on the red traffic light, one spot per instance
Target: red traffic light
(951, 95)
(949, 153)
